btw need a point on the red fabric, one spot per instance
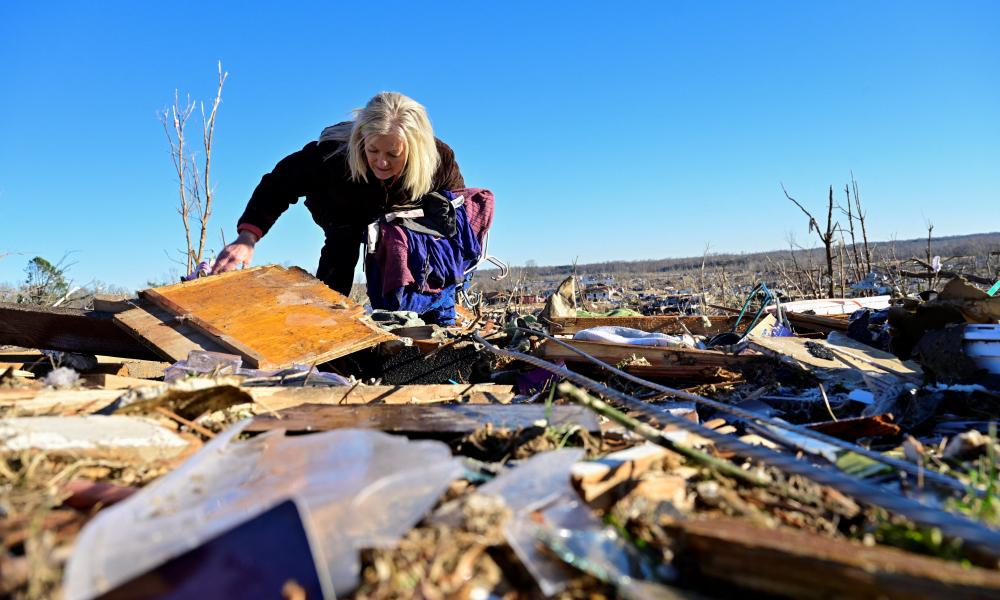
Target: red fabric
(479, 209)
(251, 228)
(392, 254)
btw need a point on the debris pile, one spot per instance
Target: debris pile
(255, 434)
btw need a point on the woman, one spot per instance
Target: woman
(386, 160)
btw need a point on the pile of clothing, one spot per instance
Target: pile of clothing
(417, 259)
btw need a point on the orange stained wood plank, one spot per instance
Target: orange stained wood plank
(272, 316)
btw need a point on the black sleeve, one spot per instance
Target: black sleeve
(293, 177)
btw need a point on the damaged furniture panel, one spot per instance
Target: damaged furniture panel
(272, 316)
(67, 330)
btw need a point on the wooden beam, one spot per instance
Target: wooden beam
(67, 330)
(817, 322)
(657, 356)
(454, 419)
(658, 324)
(34, 401)
(798, 564)
(277, 398)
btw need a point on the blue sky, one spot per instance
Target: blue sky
(607, 130)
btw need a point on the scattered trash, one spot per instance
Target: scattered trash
(837, 438)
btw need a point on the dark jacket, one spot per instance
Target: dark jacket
(342, 207)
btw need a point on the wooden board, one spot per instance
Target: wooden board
(34, 401)
(411, 418)
(67, 330)
(613, 354)
(163, 333)
(659, 324)
(817, 322)
(42, 401)
(272, 316)
(277, 398)
(793, 563)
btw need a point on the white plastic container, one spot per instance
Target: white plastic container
(982, 345)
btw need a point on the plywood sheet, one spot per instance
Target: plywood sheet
(272, 316)
(847, 361)
(164, 333)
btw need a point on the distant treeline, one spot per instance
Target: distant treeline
(978, 244)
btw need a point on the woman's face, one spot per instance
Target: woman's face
(386, 154)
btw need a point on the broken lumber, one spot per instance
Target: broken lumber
(604, 481)
(277, 398)
(697, 325)
(35, 401)
(456, 419)
(819, 323)
(112, 438)
(66, 330)
(798, 564)
(163, 333)
(667, 362)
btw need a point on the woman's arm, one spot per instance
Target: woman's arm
(293, 177)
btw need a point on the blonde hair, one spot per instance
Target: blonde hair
(392, 112)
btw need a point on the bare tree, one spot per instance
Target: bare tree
(858, 266)
(861, 219)
(825, 237)
(195, 189)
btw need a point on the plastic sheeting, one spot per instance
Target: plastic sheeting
(360, 488)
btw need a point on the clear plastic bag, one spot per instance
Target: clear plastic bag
(359, 488)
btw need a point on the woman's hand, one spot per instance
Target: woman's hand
(235, 255)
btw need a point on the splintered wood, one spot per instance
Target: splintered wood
(273, 317)
(163, 333)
